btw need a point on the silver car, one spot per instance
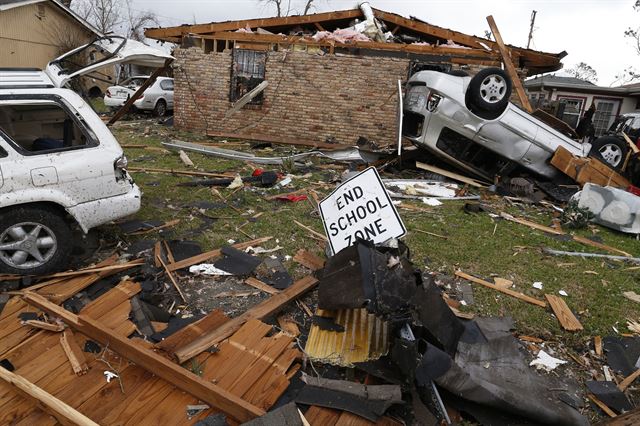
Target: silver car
(469, 122)
(158, 98)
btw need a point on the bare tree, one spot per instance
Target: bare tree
(116, 16)
(630, 73)
(634, 34)
(583, 71)
(283, 7)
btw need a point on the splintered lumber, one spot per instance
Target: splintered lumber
(554, 231)
(309, 260)
(601, 405)
(508, 64)
(450, 175)
(256, 283)
(73, 352)
(507, 291)
(44, 325)
(247, 98)
(628, 380)
(264, 309)
(584, 169)
(632, 145)
(62, 412)
(116, 267)
(173, 280)
(157, 228)
(180, 377)
(597, 344)
(178, 172)
(185, 159)
(201, 258)
(567, 320)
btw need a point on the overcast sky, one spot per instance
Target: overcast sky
(590, 31)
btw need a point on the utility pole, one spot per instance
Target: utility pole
(533, 21)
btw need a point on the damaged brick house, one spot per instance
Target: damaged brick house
(323, 83)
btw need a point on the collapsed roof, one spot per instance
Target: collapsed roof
(405, 36)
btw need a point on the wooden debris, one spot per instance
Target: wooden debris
(63, 413)
(597, 345)
(508, 64)
(601, 405)
(173, 280)
(450, 175)
(463, 315)
(247, 98)
(159, 327)
(185, 159)
(179, 172)
(157, 228)
(74, 353)
(236, 294)
(502, 283)
(288, 326)
(304, 307)
(431, 233)
(553, 231)
(268, 307)
(567, 320)
(204, 257)
(507, 291)
(167, 249)
(116, 267)
(157, 253)
(45, 325)
(633, 146)
(531, 339)
(584, 170)
(152, 362)
(628, 380)
(309, 260)
(317, 234)
(256, 283)
(632, 295)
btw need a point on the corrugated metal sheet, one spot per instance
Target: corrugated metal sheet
(365, 338)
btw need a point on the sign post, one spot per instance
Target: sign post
(360, 208)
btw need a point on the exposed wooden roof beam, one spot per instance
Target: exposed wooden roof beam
(163, 33)
(413, 48)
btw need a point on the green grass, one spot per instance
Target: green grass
(477, 243)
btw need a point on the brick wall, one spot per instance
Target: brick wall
(309, 97)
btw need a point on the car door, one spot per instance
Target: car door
(167, 86)
(511, 135)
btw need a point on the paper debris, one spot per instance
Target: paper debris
(260, 250)
(431, 201)
(207, 269)
(110, 376)
(237, 183)
(632, 295)
(546, 361)
(563, 293)
(537, 285)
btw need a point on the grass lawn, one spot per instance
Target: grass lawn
(477, 243)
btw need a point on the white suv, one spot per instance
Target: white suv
(469, 122)
(60, 166)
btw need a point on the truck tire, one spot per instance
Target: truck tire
(610, 150)
(488, 93)
(34, 240)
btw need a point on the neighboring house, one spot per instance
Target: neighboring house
(33, 32)
(321, 87)
(572, 97)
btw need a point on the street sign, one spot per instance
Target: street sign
(360, 208)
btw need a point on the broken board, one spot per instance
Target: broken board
(587, 170)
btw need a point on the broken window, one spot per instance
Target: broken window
(247, 72)
(572, 111)
(41, 126)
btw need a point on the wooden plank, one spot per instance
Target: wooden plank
(624, 384)
(178, 172)
(256, 283)
(192, 331)
(148, 82)
(173, 280)
(309, 260)
(583, 170)
(268, 307)
(507, 291)
(163, 368)
(278, 140)
(44, 325)
(508, 64)
(204, 257)
(450, 175)
(597, 344)
(555, 231)
(601, 405)
(61, 411)
(106, 303)
(633, 146)
(73, 352)
(567, 320)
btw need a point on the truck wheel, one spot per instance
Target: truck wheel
(488, 93)
(160, 109)
(33, 240)
(610, 150)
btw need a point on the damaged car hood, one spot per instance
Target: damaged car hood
(101, 53)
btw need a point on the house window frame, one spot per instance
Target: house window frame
(613, 116)
(255, 65)
(583, 102)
